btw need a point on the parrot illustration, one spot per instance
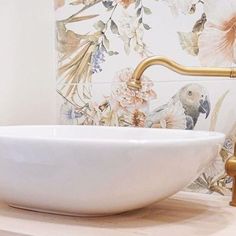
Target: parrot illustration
(183, 110)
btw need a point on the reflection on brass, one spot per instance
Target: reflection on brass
(231, 171)
(183, 70)
(191, 71)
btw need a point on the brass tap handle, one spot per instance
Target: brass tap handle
(184, 70)
(230, 167)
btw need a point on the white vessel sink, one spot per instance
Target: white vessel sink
(98, 170)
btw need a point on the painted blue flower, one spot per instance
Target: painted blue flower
(69, 115)
(97, 59)
(228, 145)
(72, 114)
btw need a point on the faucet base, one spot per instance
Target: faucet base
(230, 168)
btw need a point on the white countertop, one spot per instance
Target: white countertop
(183, 214)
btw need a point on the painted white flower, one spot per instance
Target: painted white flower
(217, 45)
(180, 6)
(131, 33)
(173, 117)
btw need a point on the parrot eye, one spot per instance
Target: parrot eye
(190, 93)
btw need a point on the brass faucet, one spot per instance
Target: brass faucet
(230, 167)
(136, 84)
(183, 70)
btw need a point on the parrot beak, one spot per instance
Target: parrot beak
(205, 107)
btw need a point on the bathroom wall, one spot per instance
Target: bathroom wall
(99, 43)
(27, 80)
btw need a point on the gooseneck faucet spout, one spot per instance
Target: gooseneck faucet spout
(183, 70)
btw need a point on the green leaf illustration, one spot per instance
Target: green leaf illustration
(147, 10)
(100, 25)
(106, 42)
(146, 27)
(139, 11)
(114, 28)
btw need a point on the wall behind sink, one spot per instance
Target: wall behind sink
(27, 79)
(99, 43)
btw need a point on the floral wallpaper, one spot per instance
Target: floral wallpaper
(99, 43)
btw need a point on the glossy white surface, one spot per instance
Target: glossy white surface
(98, 170)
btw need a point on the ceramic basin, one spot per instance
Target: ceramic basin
(98, 170)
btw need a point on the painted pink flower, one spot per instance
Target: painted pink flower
(59, 3)
(138, 118)
(125, 3)
(217, 43)
(127, 98)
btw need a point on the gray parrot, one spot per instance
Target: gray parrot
(190, 101)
